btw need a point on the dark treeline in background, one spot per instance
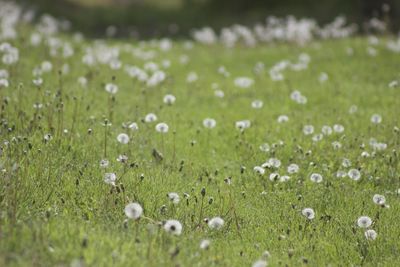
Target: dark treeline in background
(153, 18)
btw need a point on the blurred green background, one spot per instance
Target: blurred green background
(154, 18)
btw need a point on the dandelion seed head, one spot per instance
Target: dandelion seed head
(257, 104)
(338, 128)
(242, 125)
(354, 174)
(308, 213)
(169, 99)
(283, 119)
(173, 227)
(133, 211)
(4, 83)
(110, 178)
(260, 263)
(122, 158)
(259, 170)
(123, 138)
(376, 118)
(111, 88)
(284, 178)
(104, 163)
(174, 198)
(133, 126)
(205, 244)
(316, 177)
(162, 127)
(326, 130)
(364, 222)
(216, 223)
(209, 123)
(308, 129)
(264, 147)
(370, 234)
(293, 168)
(151, 117)
(243, 82)
(274, 176)
(379, 199)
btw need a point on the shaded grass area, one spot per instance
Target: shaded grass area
(152, 20)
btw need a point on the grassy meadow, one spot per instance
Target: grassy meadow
(68, 173)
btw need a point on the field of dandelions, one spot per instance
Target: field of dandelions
(277, 145)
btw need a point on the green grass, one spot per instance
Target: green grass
(56, 208)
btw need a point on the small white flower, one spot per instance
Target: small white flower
(133, 211)
(110, 178)
(123, 138)
(364, 222)
(316, 177)
(209, 123)
(370, 234)
(173, 227)
(308, 213)
(216, 223)
(162, 127)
